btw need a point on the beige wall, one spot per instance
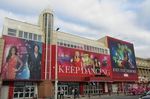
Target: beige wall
(19, 25)
(143, 67)
(76, 39)
(1, 52)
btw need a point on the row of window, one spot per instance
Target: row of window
(24, 90)
(144, 71)
(25, 35)
(82, 46)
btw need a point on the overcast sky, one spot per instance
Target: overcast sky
(128, 20)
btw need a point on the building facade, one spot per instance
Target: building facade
(32, 52)
(143, 66)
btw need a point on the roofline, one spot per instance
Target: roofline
(76, 35)
(143, 58)
(22, 21)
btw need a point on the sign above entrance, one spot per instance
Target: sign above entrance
(74, 62)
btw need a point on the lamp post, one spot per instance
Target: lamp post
(56, 69)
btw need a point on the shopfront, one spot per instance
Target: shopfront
(82, 70)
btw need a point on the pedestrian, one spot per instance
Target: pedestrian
(35, 96)
(75, 93)
(78, 93)
(118, 91)
(109, 90)
(61, 93)
(73, 90)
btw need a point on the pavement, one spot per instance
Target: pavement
(114, 96)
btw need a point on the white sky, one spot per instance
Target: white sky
(128, 20)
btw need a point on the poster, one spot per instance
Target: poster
(122, 56)
(22, 59)
(82, 63)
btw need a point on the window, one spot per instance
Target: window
(61, 43)
(20, 33)
(30, 36)
(71, 45)
(106, 52)
(35, 36)
(74, 46)
(85, 47)
(39, 38)
(65, 44)
(24, 90)
(25, 34)
(68, 45)
(12, 32)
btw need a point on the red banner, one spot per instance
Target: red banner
(74, 62)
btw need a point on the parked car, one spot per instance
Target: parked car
(145, 95)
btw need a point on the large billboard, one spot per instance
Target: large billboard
(122, 57)
(22, 59)
(79, 63)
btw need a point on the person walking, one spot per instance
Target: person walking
(61, 93)
(75, 93)
(109, 90)
(73, 90)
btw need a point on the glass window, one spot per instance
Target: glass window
(68, 45)
(96, 49)
(15, 95)
(39, 38)
(71, 46)
(58, 43)
(65, 44)
(22, 89)
(30, 36)
(12, 32)
(106, 52)
(85, 47)
(20, 33)
(102, 50)
(61, 43)
(25, 34)
(35, 36)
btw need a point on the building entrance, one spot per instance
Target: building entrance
(64, 87)
(68, 87)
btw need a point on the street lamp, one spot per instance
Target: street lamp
(56, 69)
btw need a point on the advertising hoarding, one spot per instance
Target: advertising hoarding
(122, 58)
(22, 59)
(74, 62)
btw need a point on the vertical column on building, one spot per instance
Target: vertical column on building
(106, 87)
(46, 24)
(1, 55)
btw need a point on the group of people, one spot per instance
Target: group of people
(122, 56)
(75, 93)
(14, 64)
(88, 61)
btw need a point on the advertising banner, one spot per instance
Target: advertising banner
(74, 62)
(122, 57)
(22, 59)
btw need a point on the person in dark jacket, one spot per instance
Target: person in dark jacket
(34, 62)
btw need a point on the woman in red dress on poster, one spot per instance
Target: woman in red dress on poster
(11, 64)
